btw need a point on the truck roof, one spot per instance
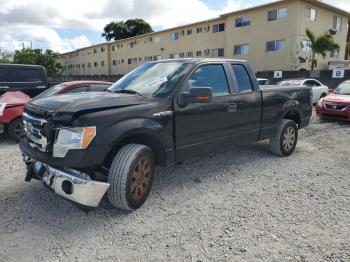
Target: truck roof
(200, 60)
(19, 65)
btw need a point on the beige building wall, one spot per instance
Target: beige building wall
(122, 56)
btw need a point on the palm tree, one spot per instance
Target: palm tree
(320, 45)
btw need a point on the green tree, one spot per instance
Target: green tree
(129, 28)
(47, 59)
(320, 45)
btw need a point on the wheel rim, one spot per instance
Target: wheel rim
(18, 129)
(141, 178)
(289, 138)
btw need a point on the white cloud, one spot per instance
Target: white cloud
(37, 20)
(22, 21)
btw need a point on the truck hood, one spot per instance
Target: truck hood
(337, 98)
(64, 107)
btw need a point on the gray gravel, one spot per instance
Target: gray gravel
(244, 205)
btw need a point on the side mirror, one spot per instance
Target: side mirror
(195, 95)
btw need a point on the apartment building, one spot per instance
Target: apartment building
(270, 36)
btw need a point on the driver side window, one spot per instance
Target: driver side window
(213, 76)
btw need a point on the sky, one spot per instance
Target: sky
(66, 25)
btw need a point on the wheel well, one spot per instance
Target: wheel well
(293, 115)
(142, 139)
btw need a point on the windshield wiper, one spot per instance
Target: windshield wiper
(128, 91)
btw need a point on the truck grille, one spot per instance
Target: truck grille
(34, 128)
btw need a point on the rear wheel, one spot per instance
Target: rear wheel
(131, 177)
(15, 129)
(285, 141)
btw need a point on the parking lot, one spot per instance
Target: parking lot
(241, 205)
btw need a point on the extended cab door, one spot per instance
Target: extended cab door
(247, 96)
(206, 128)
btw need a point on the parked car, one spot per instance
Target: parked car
(75, 87)
(319, 90)
(11, 109)
(263, 81)
(29, 79)
(162, 113)
(337, 104)
(13, 103)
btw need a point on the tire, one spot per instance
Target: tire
(131, 176)
(15, 129)
(285, 141)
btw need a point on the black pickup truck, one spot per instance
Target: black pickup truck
(162, 113)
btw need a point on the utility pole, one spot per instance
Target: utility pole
(31, 45)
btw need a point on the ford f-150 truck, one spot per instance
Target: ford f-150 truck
(162, 113)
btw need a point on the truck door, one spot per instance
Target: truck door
(247, 97)
(206, 128)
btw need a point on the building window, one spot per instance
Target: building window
(131, 45)
(275, 46)
(189, 54)
(189, 32)
(306, 45)
(174, 36)
(218, 28)
(89, 65)
(95, 64)
(102, 49)
(140, 59)
(242, 21)
(102, 63)
(311, 14)
(217, 52)
(132, 60)
(199, 30)
(199, 53)
(335, 53)
(83, 65)
(114, 62)
(113, 48)
(157, 40)
(95, 51)
(277, 14)
(337, 23)
(148, 58)
(241, 49)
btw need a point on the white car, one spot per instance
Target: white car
(319, 90)
(263, 81)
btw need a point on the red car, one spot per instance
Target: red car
(12, 103)
(337, 104)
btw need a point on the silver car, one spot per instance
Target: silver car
(319, 90)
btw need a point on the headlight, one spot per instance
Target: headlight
(320, 103)
(73, 138)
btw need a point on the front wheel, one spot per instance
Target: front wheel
(131, 176)
(285, 140)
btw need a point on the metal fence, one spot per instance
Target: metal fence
(325, 76)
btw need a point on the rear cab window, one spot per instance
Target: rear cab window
(25, 75)
(244, 83)
(99, 87)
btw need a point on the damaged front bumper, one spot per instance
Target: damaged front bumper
(70, 184)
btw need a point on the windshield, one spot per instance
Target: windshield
(51, 91)
(152, 79)
(290, 83)
(343, 89)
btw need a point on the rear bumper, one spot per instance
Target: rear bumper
(70, 184)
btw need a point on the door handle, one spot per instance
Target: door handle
(231, 107)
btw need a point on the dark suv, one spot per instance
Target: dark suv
(30, 79)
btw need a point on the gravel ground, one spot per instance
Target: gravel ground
(244, 205)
